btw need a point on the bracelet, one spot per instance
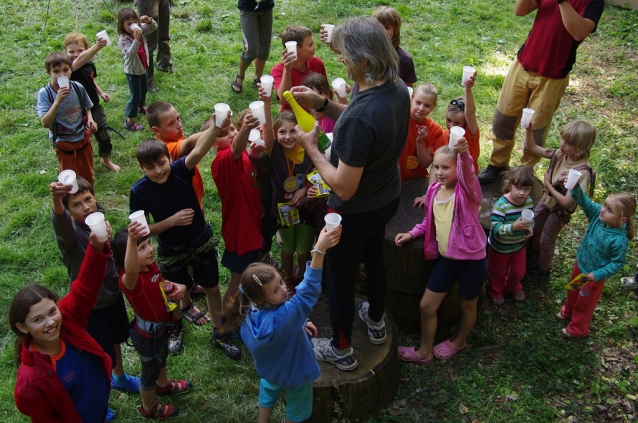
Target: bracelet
(322, 108)
(317, 250)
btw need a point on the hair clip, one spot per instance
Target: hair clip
(459, 103)
(257, 280)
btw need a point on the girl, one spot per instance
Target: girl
(454, 236)
(155, 316)
(391, 21)
(601, 253)
(462, 112)
(274, 330)
(319, 84)
(555, 208)
(63, 373)
(424, 134)
(136, 61)
(509, 234)
(290, 165)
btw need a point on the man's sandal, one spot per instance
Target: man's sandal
(237, 86)
(194, 318)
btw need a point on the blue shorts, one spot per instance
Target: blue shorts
(470, 274)
(298, 399)
(236, 263)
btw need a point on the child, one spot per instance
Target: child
(66, 111)
(601, 253)
(63, 373)
(292, 70)
(276, 330)
(290, 165)
(425, 136)
(232, 171)
(136, 61)
(108, 321)
(155, 317)
(319, 84)
(462, 112)
(454, 235)
(184, 237)
(508, 237)
(84, 72)
(555, 208)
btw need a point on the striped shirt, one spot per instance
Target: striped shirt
(503, 238)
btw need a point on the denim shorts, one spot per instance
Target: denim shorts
(470, 274)
(236, 263)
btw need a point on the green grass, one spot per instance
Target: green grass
(516, 368)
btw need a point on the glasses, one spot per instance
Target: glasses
(459, 103)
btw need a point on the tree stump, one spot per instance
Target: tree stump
(362, 393)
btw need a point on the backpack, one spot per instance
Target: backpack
(55, 127)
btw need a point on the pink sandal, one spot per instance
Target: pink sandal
(408, 354)
(445, 350)
(133, 126)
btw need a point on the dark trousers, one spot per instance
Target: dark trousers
(137, 85)
(361, 241)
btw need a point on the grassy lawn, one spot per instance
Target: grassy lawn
(517, 367)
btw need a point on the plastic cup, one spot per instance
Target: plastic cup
(527, 117)
(527, 215)
(332, 221)
(63, 81)
(68, 177)
(328, 28)
(291, 46)
(267, 82)
(339, 84)
(97, 224)
(221, 111)
(468, 71)
(456, 132)
(255, 137)
(257, 109)
(103, 34)
(572, 178)
(134, 26)
(139, 216)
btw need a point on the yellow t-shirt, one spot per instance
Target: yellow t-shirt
(443, 212)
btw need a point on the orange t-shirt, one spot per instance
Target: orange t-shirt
(409, 167)
(472, 143)
(198, 182)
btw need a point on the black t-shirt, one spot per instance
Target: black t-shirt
(250, 5)
(85, 76)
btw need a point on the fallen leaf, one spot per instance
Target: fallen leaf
(511, 397)
(394, 412)
(463, 409)
(42, 172)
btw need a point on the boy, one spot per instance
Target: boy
(83, 71)
(184, 237)
(291, 71)
(108, 322)
(66, 111)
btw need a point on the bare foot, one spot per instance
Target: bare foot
(104, 161)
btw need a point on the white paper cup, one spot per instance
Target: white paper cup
(572, 178)
(527, 215)
(68, 177)
(134, 26)
(257, 109)
(255, 137)
(468, 71)
(103, 34)
(221, 111)
(456, 132)
(291, 46)
(266, 83)
(139, 216)
(339, 85)
(332, 221)
(328, 28)
(527, 117)
(97, 224)
(63, 81)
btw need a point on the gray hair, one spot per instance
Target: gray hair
(365, 44)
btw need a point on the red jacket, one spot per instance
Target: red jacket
(39, 393)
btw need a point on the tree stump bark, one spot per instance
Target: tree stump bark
(362, 393)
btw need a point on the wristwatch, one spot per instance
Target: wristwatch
(325, 104)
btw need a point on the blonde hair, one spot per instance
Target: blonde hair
(446, 151)
(581, 135)
(75, 38)
(627, 205)
(389, 16)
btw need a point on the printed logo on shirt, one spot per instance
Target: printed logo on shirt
(69, 376)
(155, 277)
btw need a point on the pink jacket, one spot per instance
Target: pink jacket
(467, 238)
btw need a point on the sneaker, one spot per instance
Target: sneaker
(225, 344)
(110, 415)
(269, 259)
(376, 334)
(536, 276)
(160, 411)
(174, 385)
(324, 352)
(131, 385)
(490, 174)
(169, 69)
(175, 343)
(152, 88)
(532, 260)
(629, 282)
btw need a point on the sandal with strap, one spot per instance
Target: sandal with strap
(237, 86)
(174, 385)
(133, 126)
(194, 318)
(160, 411)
